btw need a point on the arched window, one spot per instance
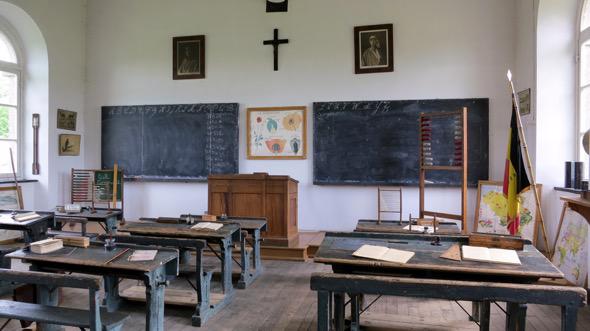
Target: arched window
(10, 92)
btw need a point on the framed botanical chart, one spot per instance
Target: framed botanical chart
(277, 132)
(490, 210)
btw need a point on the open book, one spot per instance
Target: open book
(484, 254)
(383, 254)
(207, 226)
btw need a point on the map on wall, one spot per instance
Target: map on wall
(571, 248)
(491, 211)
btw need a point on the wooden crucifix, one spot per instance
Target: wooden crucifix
(275, 42)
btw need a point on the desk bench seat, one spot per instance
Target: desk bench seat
(46, 311)
(58, 315)
(516, 296)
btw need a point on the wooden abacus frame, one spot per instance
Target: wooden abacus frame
(427, 162)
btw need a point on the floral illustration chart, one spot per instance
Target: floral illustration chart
(276, 133)
(491, 214)
(571, 248)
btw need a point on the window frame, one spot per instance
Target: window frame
(15, 68)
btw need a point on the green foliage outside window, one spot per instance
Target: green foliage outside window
(3, 122)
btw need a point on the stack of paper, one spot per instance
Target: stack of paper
(484, 254)
(25, 216)
(420, 228)
(143, 255)
(383, 254)
(46, 246)
(207, 226)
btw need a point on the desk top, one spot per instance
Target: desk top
(246, 223)
(7, 222)
(96, 256)
(99, 214)
(337, 249)
(395, 227)
(179, 230)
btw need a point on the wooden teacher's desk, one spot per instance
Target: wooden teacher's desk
(112, 265)
(33, 230)
(337, 248)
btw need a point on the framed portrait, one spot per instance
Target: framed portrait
(69, 144)
(66, 119)
(277, 132)
(373, 48)
(490, 210)
(524, 101)
(188, 55)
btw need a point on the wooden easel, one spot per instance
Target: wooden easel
(459, 163)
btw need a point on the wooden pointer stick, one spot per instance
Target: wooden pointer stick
(18, 190)
(115, 171)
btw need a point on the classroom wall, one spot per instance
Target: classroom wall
(556, 108)
(450, 49)
(53, 35)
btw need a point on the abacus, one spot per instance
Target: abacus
(429, 161)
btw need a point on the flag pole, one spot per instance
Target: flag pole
(528, 161)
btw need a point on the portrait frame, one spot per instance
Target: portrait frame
(492, 224)
(69, 145)
(11, 197)
(188, 57)
(524, 101)
(66, 119)
(383, 33)
(276, 133)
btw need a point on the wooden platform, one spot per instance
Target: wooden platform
(305, 247)
(176, 297)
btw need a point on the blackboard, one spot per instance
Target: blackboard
(377, 142)
(171, 142)
(103, 183)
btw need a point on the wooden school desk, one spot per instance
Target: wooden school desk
(97, 260)
(106, 218)
(253, 226)
(222, 237)
(337, 248)
(396, 227)
(33, 230)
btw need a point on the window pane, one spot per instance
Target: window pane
(7, 53)
(8, 88)
(8, 123)
(585, 109)
(5, 167)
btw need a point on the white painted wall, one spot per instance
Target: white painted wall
(556, 49)
(53, 33)
(443, 49)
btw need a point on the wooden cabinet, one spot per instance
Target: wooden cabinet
(258, 195)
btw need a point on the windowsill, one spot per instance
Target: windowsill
(11, 181)
(568, 189)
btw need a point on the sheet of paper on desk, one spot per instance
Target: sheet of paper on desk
(494, 255)
(383, 254)
(420, 228)
(143, 255)
(207, 226)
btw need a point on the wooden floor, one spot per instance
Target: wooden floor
(281, 300)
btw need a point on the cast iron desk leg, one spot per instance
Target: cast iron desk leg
(256, 253)
(112, 300)
(111, 223)
(569, 314)
(324, 310)
(516, 316)
(226, 266)
(48, 296)
(155, 283)
(245, 276)
(339, 311)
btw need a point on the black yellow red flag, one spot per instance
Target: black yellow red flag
(515, 176)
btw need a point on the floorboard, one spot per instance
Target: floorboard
(281, 300)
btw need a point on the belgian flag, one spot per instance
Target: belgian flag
(515, 176)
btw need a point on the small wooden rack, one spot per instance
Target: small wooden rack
(458, 163)
(96, 186)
